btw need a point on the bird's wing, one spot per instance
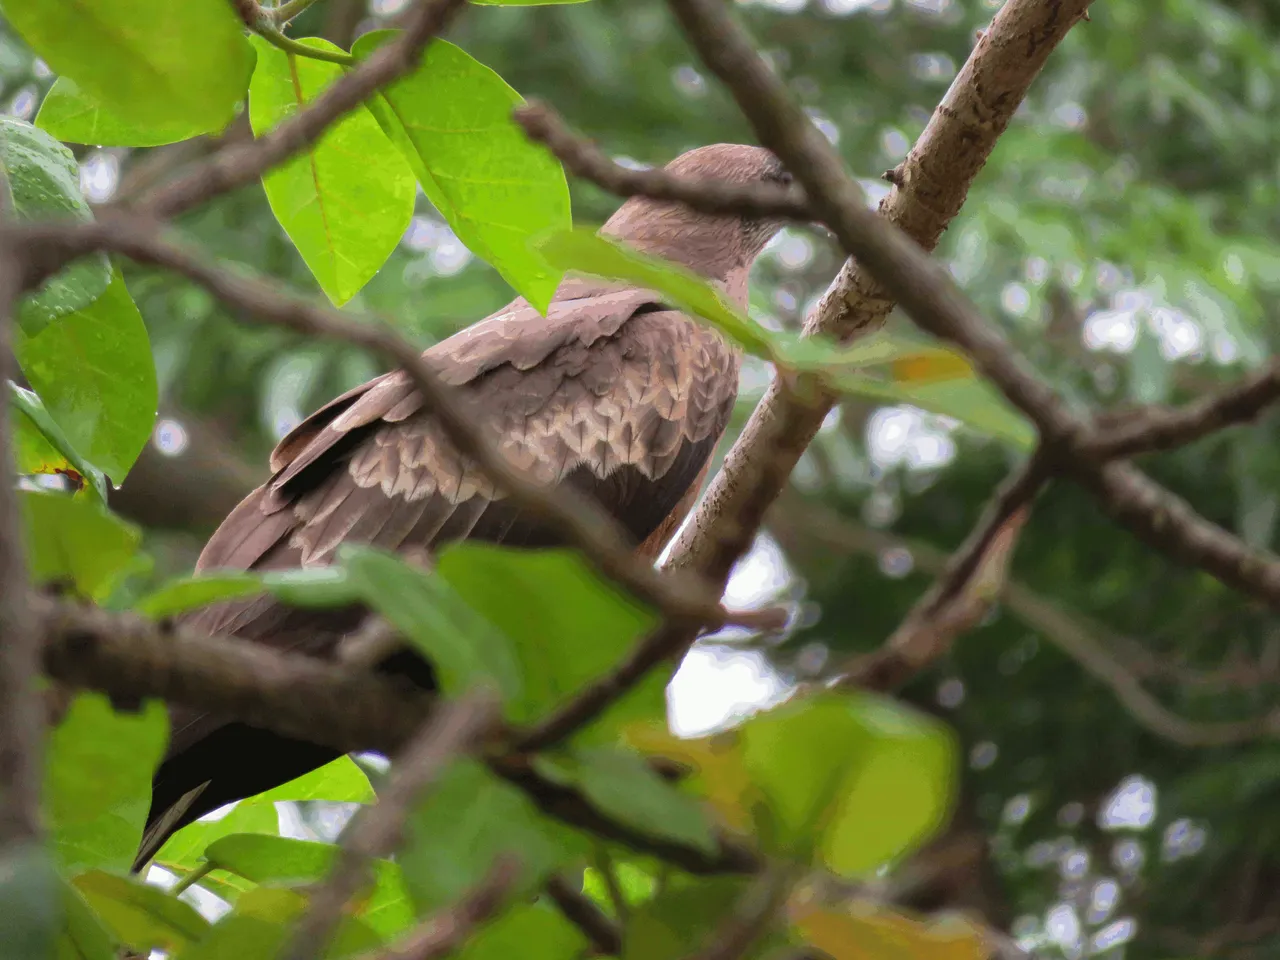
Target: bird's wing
(611, 393)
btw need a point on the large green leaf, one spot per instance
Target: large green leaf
(259, 927)
(97, 787)
(44, 184)
(267, 859)
(152, 61)
(851, 782)
(339, 781)
(31, 906)
(141, 915)
(463, 647)
(622, 785)
(567, 624)
(468, 820)
(83, 936)
(857, 779)
(76, 540)
(451, 118)
(40, 446)
(94, 371)
(346, 201)
(70, 114)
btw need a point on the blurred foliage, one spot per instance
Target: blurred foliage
(1123, 235)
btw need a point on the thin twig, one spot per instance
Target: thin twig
(446, 931)
(582, 912)
(951, 606)
(21, 708)
(1163, 428)
(376, 831)
(1083, 641)
(241, 165)
(584, 159)
(581, 521)
(750, 920)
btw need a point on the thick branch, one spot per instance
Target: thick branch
(133, 658)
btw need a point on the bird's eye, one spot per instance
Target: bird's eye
(783, 177)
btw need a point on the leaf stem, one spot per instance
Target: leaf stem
(192, 878)
(273, 36)
(287, 11)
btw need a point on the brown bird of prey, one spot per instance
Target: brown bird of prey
(612, 393)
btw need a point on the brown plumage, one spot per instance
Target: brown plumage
(611, 392)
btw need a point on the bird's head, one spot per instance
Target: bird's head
(719, 247)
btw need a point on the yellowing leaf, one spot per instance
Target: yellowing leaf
(869, 932)
(931, 365)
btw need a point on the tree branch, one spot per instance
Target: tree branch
(584, 159)
(1068, 631)
(442, 934)
(21, 710)
(579, 910)
(294, 695)
(376, 831)
(1163, 428)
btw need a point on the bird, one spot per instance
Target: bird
(611, 392)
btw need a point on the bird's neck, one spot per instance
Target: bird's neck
(709, 246)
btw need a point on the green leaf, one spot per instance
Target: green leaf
(262, 858)
(852, 782)
(624, 786)
(451, 118)
(97, 785)
(467, 821)
(44, 184)
(534, 931)
(141, 915)
(40, 446)
(74, 116)
(30, 902)
(184, 851)
(152, 61)
(83, 935)
(338, 781)
(94, 371)
(858, 780)
(267, 859)
(463, 647)
(77, 540)
(680, 918)
(583, 250)
(569, 625)
(259, 927)
(346, 201)
(188, 593)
